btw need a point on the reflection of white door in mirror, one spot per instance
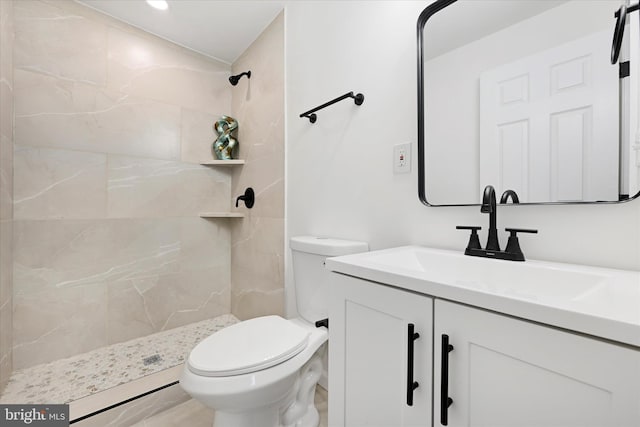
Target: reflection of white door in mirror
(538, 135)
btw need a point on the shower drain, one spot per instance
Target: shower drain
(151, 359)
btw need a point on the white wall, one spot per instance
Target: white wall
(340, 180)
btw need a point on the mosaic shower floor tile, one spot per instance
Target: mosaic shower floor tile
(66, 380)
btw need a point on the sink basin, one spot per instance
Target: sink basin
(597, 301)
(529, 280)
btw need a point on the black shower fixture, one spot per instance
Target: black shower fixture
(249, 198)
(234, 79)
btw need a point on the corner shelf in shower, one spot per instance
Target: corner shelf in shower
(237, 162)
(221, 215)
(234, 162)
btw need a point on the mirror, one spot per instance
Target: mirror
(522, 95)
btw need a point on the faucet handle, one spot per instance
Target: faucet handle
(474, 240)
(513, 231)
(249, 198)
(513, 245)
(468, 227)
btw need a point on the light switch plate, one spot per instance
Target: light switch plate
(402, 158)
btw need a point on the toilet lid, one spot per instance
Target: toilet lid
(248, 346)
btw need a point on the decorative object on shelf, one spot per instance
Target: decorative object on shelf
(235, 79)
(224, 146)
(358, 99)
(249, 198)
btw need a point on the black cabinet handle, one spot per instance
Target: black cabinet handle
(411, 384)
(445, 400)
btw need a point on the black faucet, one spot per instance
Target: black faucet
(489, 206)
(492, 250)
(505, 197)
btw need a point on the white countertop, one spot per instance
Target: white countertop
(596, 301)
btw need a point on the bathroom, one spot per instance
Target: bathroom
(119, 206)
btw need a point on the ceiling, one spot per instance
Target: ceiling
(224, 29)
(459, 24)
(220, 29)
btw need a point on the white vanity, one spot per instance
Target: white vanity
(535, 344)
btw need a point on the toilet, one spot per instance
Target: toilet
(263, 372)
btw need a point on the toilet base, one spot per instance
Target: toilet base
(296, 409)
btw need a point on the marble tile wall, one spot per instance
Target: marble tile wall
(110, 125)
(6, 189)
(257, 248)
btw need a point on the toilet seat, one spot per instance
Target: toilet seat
(248, 346)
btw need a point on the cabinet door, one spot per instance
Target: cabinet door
(505, 372)
(369, 352)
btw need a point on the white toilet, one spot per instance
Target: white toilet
(263, 372)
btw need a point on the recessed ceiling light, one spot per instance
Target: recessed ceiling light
(158, 4)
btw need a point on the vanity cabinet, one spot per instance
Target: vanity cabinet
(501, 371)
(506, 372)
(373, 351)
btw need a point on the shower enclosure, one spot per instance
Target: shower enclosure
(109, 273)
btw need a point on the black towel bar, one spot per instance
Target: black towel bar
(358, 99)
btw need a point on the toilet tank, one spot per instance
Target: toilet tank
(311, 278)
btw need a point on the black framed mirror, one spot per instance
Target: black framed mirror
(522, 95)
